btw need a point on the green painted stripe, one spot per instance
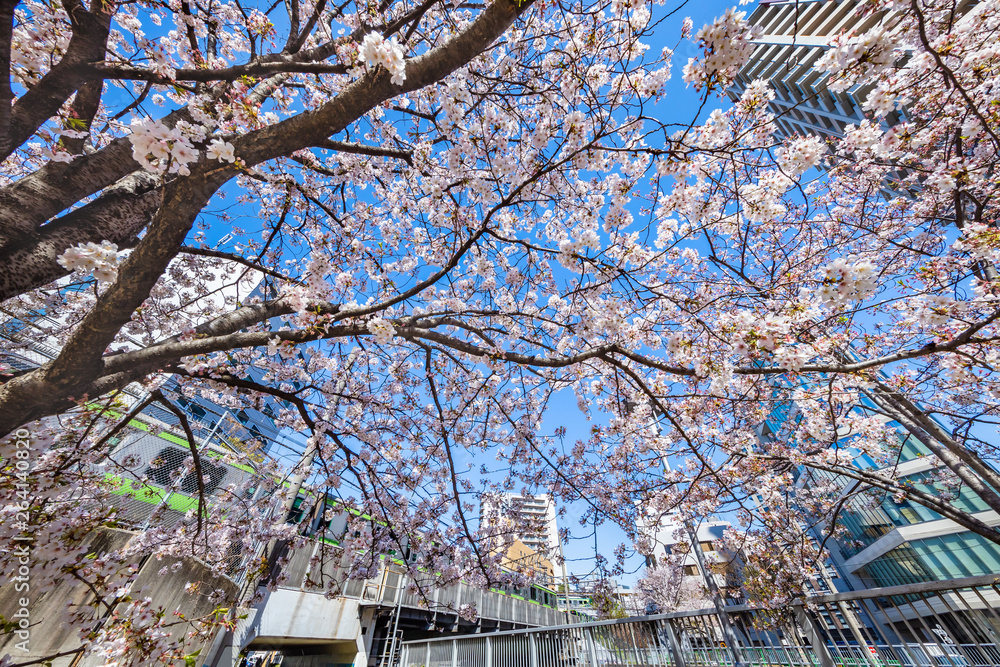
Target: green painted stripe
(152, 495)
(173, 438)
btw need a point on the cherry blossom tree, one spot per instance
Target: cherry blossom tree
(665, 589)
(458, 210)
(883, 275)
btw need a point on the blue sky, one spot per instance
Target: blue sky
(678, 106)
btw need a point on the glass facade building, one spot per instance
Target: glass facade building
(885, 540)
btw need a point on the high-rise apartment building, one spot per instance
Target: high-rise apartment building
(888, 542)
(793, 37)
(532, 520)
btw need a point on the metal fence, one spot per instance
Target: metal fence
(143, 470)
(936, 624)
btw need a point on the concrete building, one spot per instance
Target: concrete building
(530, 519)
(521, 558)
(631, 600)
(672, 542)
(49, 635)
(794, 35)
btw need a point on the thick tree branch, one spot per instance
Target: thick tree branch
(73, 372)
(973, 473)
(361, 149)
(6, 32)
(257, 69)
(117, 216)
(81, 115)
(43, 100)
(893, 486)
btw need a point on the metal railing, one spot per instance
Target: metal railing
(309, 570)
(937, 624)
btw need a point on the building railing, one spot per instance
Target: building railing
(936, 624)
(391, 585)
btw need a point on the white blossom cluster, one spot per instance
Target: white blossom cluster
(377, 50)
(727, 43)
(880, 100)
(382, 330)
(161, 149)
(115, 641)
(979, 240)
(860, 137)
(851, 59)
(935, 311)
(756, 97)
(800, 155)
(847, 279)
(762, 200)
(793, 357)
(635, 14)
(221, 151)
(99, 259)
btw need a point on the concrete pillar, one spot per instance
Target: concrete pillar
(222, 653)
(819, 648)
(675, 646)
(588, 637)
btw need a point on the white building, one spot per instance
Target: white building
(794, 35)
(531, 519)
(672, 543)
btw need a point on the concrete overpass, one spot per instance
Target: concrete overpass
(319, 617)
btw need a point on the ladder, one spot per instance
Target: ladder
(390, 650)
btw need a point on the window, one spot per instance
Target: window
(707, 546)
(690, 570)
(295, 515)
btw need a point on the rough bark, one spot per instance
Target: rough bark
(27, 203)
(117, 216)
(80, 368)
(85, 106)
(6, 32)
